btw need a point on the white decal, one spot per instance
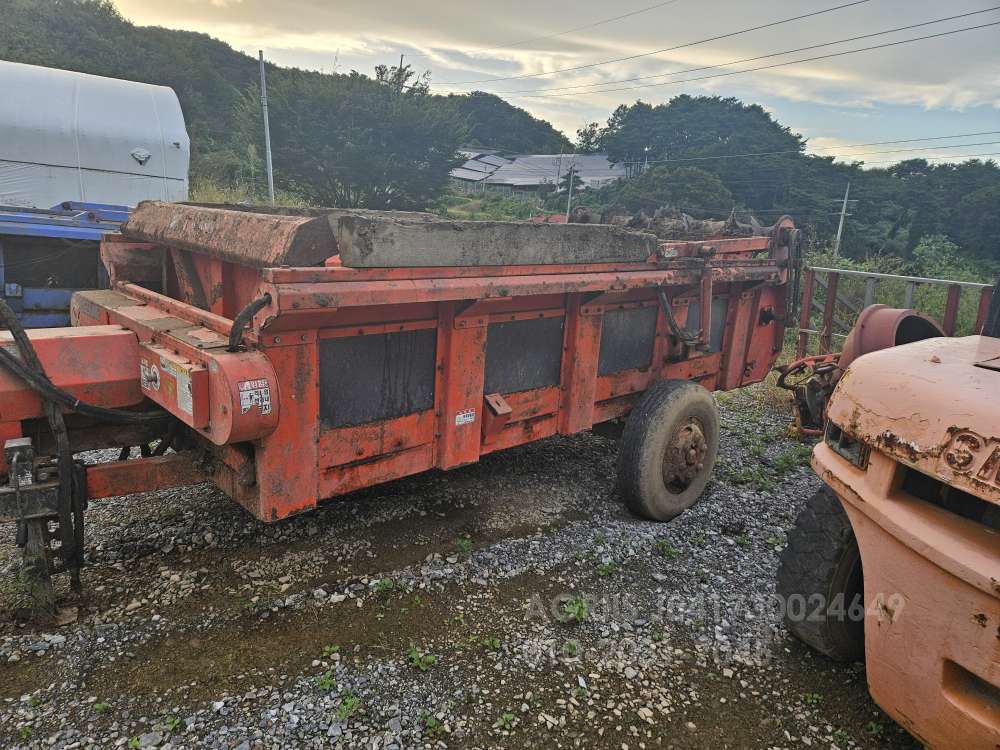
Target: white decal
(255, 393)
(185, 391)
(149, 376)
(466, 416)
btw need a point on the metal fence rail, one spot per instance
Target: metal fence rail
(829, 280)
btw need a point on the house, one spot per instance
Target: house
(526, 173)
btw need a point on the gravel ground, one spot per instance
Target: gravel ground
(514, 603)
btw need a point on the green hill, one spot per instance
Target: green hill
(211, 78)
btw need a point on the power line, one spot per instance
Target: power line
(543, 37)
(746, 59)
(659, 51)
(773, 65)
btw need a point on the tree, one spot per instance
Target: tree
(588, 138)
(688, 188)
(398, 79)
(352, 141)
(571, 177)
(496, 124)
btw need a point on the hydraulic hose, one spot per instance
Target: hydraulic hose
(243, 320)
(40, 383)
(70, 513)
(29, 368)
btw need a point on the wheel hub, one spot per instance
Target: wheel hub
(684, 458)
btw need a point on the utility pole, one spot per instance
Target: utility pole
(569, 200)
(267, 130)
(840, 226)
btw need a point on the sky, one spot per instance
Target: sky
(935, 87)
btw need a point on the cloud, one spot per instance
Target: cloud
(464, 40)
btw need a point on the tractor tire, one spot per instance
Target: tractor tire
(821, 581)
(668, 449)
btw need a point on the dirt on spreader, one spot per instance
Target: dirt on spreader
(513, 603)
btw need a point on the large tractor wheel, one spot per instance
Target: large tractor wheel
(668, 449)
(821, 582)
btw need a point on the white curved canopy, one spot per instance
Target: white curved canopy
(71, 136)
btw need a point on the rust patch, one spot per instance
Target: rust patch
(251, 239)
(892, 443)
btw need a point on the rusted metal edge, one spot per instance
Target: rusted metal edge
(252, 239)
(292, 298)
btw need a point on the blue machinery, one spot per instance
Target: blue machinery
(47, 254)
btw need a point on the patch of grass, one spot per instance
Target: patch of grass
(492, 643)
(753, 476)
(25, 732)
(606, 569)
(574, 610)
(100, 707)
(841, 737)
(665, 548)
(350, 704)
(464, 546)
(330, 649)
(421, 660)
(792, 458)
(571, 649)
(875, 729)
(134, 743)
(505, 722)
(384, 586)
(432, 727)
(812, 699)
(743, 541)
(171, 724)
(580, 693)
(326, 681)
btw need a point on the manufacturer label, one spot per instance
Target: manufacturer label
(255, 393)
(466, 416)
(973, 456)
(149, 376)
(185, 391)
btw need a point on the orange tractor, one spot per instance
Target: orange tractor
(897, 559)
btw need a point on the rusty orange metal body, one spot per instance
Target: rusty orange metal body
(353, 376)
(925, 507)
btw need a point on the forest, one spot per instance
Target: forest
(386, 141)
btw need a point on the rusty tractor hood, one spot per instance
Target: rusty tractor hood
(933, 405)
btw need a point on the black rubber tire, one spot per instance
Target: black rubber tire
(821, 566)
(655, 420)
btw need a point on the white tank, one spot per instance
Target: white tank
(71, 136)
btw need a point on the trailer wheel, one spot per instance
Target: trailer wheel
(821, 582)
(668, 449)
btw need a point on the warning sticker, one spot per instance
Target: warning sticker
(255, 393)
(149, 376)
(185, 392)
(466, 416)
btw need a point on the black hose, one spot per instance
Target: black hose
(70, 513)
(676, 330)
(39, 382)
(243, 320)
